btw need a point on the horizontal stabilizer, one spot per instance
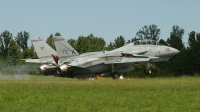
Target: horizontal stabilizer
(32, 60)
(48, 61)
(114, 60)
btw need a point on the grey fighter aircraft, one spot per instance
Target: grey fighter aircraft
(108, 63)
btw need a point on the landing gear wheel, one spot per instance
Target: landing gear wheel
(147, 71)
(115, 75)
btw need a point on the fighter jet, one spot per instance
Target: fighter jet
(108, 63)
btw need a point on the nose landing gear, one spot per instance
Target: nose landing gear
(147, 70)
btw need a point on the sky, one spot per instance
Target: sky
(103, 18)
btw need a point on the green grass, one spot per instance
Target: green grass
(50, 94)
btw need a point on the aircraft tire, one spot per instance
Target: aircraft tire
(147, 71)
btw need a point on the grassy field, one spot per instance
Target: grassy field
(50, 94)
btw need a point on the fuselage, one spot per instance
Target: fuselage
(94, 61)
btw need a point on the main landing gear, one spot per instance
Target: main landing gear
(115, 74)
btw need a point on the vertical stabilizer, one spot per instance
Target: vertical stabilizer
(64, 49)
(43, 50)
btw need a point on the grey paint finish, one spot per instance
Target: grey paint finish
(101, 62)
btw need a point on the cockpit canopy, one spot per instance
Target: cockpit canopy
(146, 42)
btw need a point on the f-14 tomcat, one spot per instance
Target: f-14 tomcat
(68, 62)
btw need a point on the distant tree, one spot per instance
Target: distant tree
(149, 32)
(82, 44)
(73, 43)
(194, 40)
(26, 53)
(128, 41)
(50, 41)
(58, 34)
(119, 42)
(22, 39)
(90, 44)
(96, 43)
(175, 42)
(109, 46)
(177, 31)
(193, 53)
(175, 39)
(132, 40)
(177, 64)
(13, 52)
(32, 53)
(5, 39)
(161, 41)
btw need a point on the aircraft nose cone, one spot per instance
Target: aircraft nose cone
(174, 51)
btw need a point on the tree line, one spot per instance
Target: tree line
(187, 62)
